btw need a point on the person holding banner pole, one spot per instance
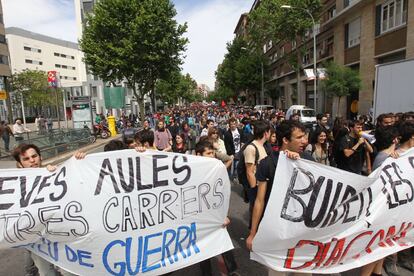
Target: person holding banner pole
(29, 156)
(206, 149)
(292, 141)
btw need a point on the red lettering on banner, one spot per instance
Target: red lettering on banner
(340, 248)
(301, 243)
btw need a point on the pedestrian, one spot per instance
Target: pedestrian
(19, 130)
(29, 156)
(179, 145)
(49, 124)
(190, 137)
(6, 132)
(206, 149)
(162, 138)
(353, 149)
(292, 141)
(233, 142)
(253, 154)
(318, 147)
(42, 125)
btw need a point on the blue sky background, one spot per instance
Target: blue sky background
(210, 25)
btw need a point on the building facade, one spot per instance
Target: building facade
(4, 68)
(356, 33)
(93, 83)
(33, 51)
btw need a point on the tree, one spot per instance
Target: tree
(33, 86)
(240, 70)
(177, 86)
(137, 41)
(340, 81)
(270, 22)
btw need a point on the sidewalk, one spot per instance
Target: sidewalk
(7, 164)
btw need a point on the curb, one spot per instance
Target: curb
(62, 158)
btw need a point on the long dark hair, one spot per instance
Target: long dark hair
(315, 139)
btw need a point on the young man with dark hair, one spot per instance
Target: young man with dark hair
(386, 119)
(115, 145)
(233, 138)
(253, 154)
(209, 125)
(146, 139)
(204, 148)
(29, 156)
(292, 140)
(353, 149)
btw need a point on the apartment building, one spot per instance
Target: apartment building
(29, 50)
(4, 67)
(355, 33)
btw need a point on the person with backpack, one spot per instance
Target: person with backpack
(252, 154)
(292, 140)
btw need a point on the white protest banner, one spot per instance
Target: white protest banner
(118, 213)
(324, 220)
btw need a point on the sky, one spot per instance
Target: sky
(210, 26)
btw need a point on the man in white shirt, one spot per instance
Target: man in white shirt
(19, 130)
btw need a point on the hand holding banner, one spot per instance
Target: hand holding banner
(118, 213)
(324, 220)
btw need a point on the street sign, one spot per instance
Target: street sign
(3, 95)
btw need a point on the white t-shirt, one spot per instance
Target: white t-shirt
(236, 140)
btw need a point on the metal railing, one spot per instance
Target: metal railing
(54, 142)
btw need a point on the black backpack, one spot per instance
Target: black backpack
(241, 166)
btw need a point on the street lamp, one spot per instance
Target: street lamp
(314, 50)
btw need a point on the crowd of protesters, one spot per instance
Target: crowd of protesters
(248, 142)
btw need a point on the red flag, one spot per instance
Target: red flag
(223, 103)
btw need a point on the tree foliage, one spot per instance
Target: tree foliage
(177, 86)
(134, 40)
(240, 70)
(269, 21)
(340, 81)
(33, 85)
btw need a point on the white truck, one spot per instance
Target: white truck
(394, 87)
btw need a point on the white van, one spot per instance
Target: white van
(307, 114)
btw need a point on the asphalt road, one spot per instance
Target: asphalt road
(11, 260)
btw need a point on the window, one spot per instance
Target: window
(2, 39)
(1, 19)
(57, 65)
(72, 57)
(4, 60)
(294, 44)
(31, 49)
(94, 91)
(64, 67)
(56, 54)
(393, 14)
(63, 55)
(73, 68)
(332, 12)
(353, 33)
(33, 61)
